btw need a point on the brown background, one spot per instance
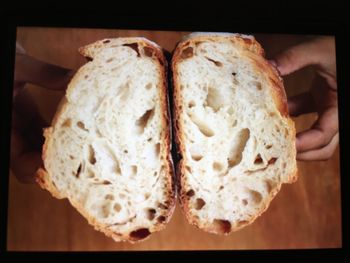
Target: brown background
(305, 214)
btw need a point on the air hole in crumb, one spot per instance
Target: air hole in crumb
(121, 196)
(217, 63)
(155, 173)
(196, 157)
(187, 53)
(272, 114)
(231, 111)
(90, 174)
(81, 125)
(202, 127)
(109, 197)
(162, 206)
(244, 202)
(133, 170)
(234, 73)
(191, 104)
(214, 99)
(117, 207)
(71, 157)
(133, 46)
(148, 51)
(106, 41)
(109, 60)
(67, 123)
(149, 139)
(269, 185)
(272, 160)
(106, 182)
(143, 121)
(268, 146)
(116, 168)
(86, 76)
(221, 187)
(258, 159)
(125, 151)
(148, 86)
(222, 226)
(139, 234)
(217, 166)
(189, 169)
(199, 204)
(284, 165)
(147, 195)
(157, 149)
(105, 210)
(256, 196)
(190, 193)
(236, 151)
(151, 213)
(78, 171)
(257, 85)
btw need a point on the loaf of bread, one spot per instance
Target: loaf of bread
(233, 131)
(108, 148)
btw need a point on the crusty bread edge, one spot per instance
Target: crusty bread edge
(43, 178)
(278, 96)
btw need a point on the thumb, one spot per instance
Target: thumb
(296, 57)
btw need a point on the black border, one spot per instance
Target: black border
(326, 24)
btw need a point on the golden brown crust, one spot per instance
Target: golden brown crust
(252, 49)
(43, 178)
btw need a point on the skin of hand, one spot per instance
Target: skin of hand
(27, 124)
(321, 140)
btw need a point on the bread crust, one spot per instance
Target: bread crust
(253, 49)
(43, 177)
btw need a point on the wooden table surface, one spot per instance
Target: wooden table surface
(305, 214)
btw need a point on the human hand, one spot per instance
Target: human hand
(27, 123)
(320, 141)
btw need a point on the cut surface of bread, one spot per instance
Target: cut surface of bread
(108, 147)
(234, 135)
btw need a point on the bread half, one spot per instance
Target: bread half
(108, 148)
(234, 135)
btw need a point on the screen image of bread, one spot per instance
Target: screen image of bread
(108, 149)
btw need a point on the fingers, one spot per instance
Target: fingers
(320, 134)
(295, 58)
(301, 104)
(31, 70)
(26, 138)
(321, 154)
(316, 52)
(25, 166)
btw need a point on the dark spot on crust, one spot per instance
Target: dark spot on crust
(222, 226)
(187, 52)
(190, 193)
(139, 234)
(133, 46)
(148, 51)
(161, 219)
